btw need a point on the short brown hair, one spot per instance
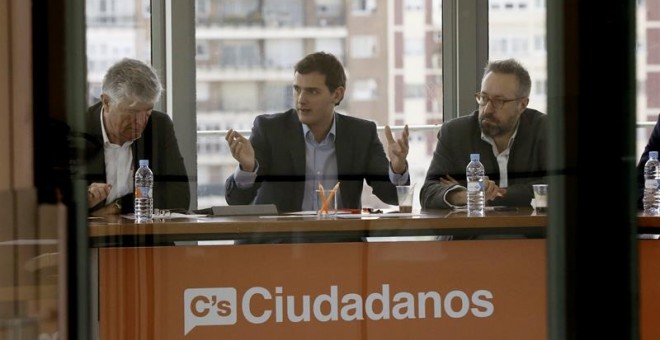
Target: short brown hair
(512, 66)
(326, 64)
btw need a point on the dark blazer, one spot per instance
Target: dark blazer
(158, 144)
(652, 145)
(461, 136)
(280, 150)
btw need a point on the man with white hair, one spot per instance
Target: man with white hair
(123, 128)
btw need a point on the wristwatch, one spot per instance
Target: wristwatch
(117, 204)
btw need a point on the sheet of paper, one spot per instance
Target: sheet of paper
(378, 215)
(168, 216)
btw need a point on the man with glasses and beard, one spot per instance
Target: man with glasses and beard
(509, 136)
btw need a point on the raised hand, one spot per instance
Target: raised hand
(397, 150)
(241, 150)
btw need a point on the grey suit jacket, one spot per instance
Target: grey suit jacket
(280, 150)
(460, 137)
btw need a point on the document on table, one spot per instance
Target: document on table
(168, 216)
(385, 215)
(491, 208)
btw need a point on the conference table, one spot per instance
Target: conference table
(356, 276)
(649, 276)
(120, 231)
(366, 276)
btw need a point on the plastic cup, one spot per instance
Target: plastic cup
(404, 194)
(541, 197)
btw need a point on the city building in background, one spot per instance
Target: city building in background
(516, 29)
(392, 51)
(246, 51)
(116, 29)
(648, 68)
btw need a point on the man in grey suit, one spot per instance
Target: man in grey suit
(290, 153)
(510, 138)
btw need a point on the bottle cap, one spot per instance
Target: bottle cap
(653, 154)
(144, 162)
(474, 157)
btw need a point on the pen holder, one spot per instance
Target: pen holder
(325, 203)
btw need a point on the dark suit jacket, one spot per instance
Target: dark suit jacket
(652, 145)
(158, 144)
(460, 137)
(280, 150)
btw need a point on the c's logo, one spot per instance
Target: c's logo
(209, 306)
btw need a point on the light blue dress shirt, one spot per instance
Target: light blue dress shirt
(320, 166)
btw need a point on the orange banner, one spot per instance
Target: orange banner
(398, 290)
(649, 277)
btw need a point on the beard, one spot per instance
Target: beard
(492, 127)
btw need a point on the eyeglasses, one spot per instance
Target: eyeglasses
(498, 103)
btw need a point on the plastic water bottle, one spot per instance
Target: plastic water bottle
(475, 186)
(651, 198)
(144, 201)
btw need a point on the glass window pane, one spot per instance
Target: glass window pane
(517, 30)
(363, 7)
(364, 46)
(116, 29)
(283, 53)
(366, 89)
(648, 76)
(246, 51)
(331, 45)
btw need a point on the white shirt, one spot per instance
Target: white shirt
(502, 163)
(502, 157)
(118, 166)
